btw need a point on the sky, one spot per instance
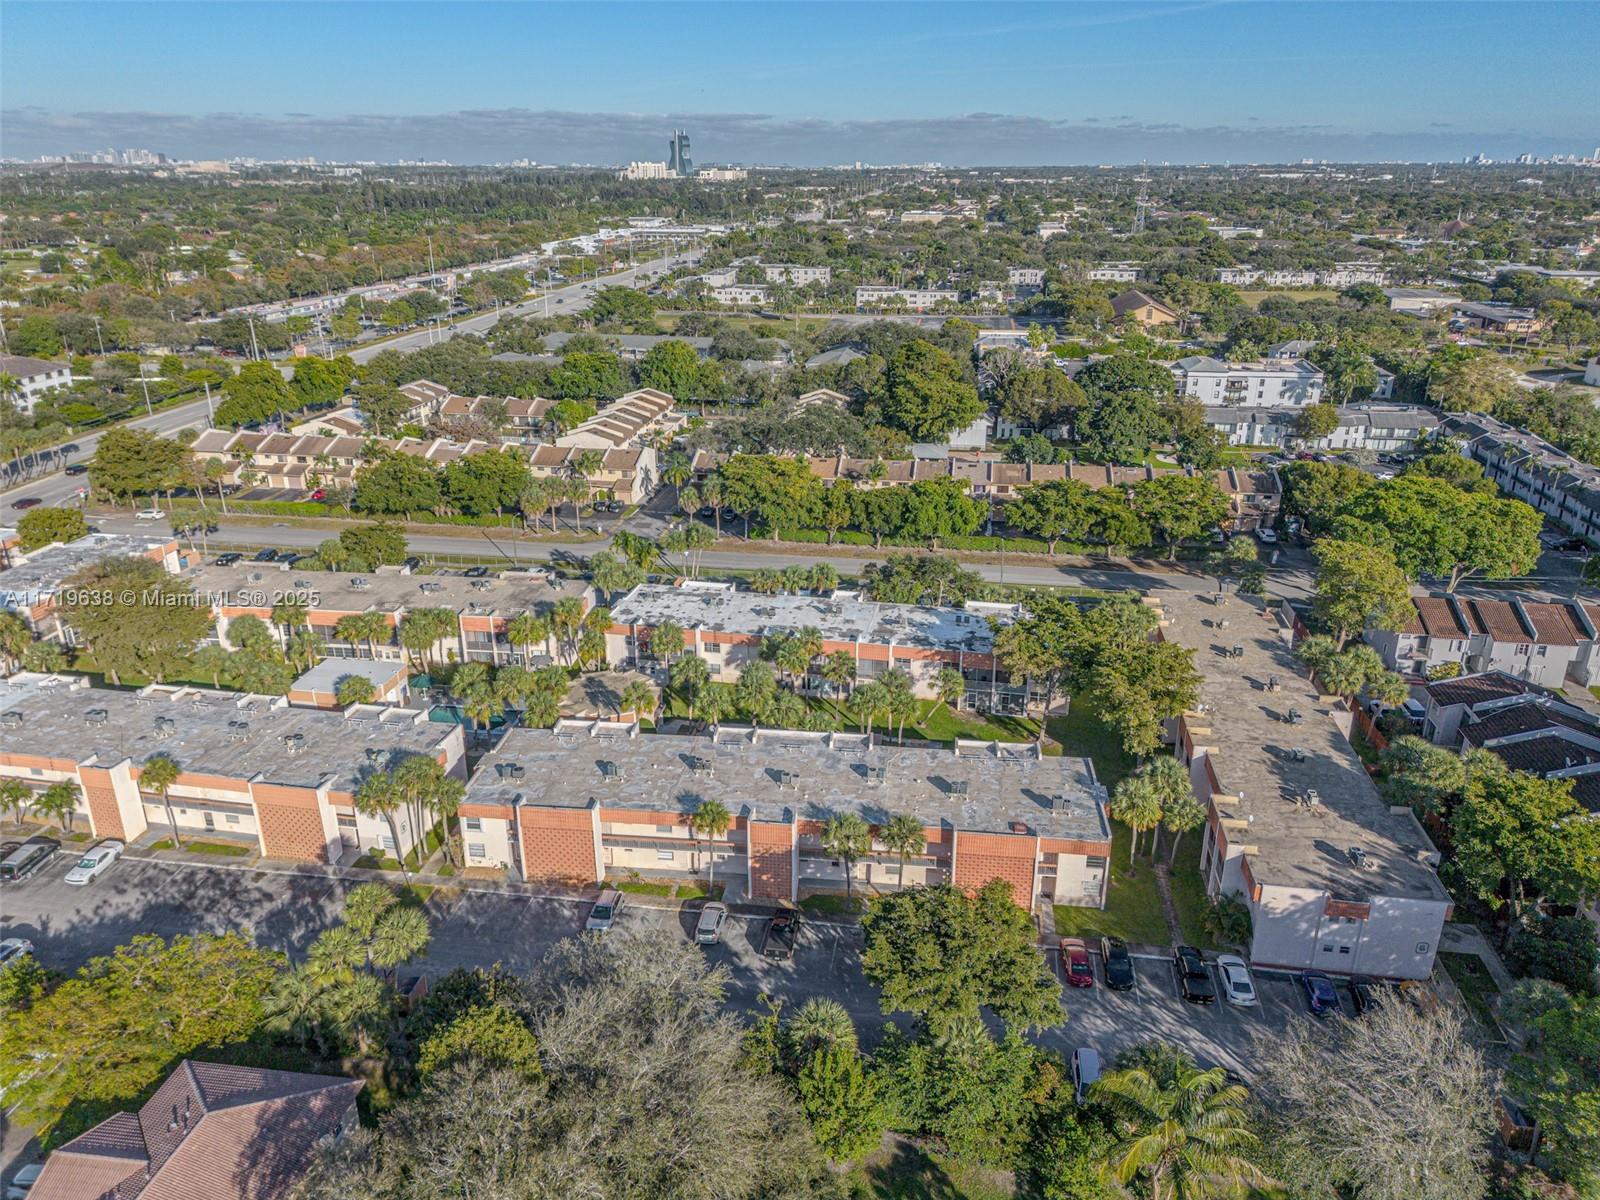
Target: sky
(975, 84)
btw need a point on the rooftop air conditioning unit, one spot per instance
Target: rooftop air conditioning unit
(96, 716)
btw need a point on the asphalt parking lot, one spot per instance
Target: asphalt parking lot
(286, 910)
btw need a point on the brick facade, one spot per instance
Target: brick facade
(105, 817)
(558, 844)
(771, 859)
(291, 823)
(981, 857)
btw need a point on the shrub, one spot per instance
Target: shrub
(1562, 949)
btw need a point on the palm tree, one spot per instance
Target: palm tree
(711, 493)
(158, 775)
(1137, 803)
(1184, 1131)
(365, 627)
(865, 702)
(675, 469)
(528, 630)
(839, 669)
(666, 642)
(716, 705)
(688, 677)
(401, 935)
(292, 614)
(950, 685)
(566, 620)
(338, 953)
(364, 904)
(903, 834)
(355, 689)
(58, 802)
(821, 1023)
(14, 797)
(294, 1007)
(898, 699)
(710, 820)
(377, 796)
(14, 638)
(824, 578)
(638, 698)
(305, 648)
(847, 836)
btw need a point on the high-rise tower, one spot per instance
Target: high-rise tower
(678, 161)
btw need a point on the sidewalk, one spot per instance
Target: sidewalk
(1460, 938)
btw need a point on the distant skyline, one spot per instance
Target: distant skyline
(803, 84)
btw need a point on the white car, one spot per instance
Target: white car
(22, 1182)
(1267, 536)
(95, 863)
(14, 948)
(1237, 986)
(149, 514)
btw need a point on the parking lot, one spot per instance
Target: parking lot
(286, 910)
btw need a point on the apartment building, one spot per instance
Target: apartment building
(589, 800)
(484, 609)
(742, 294)
(527, 417)
(1050, 229)
(727, 627)
(915, 299)
(253, 767)
(797, 276)
(1419, 302)
(1534, 732)
(1335, 877)
(1348, 274)
(1271, 383)
(1115, 272)
(628, 475)
(319, 686)
(1454, 703)
(31, 586)
(33, 378)
(426, 398)
(1245, 275)
(628, 421)
(1025, 277)
(1382, 429)
(308, 461)
(1530, 469)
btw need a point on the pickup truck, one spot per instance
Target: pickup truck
(782, 932)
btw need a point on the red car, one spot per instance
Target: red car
(1075, 964)
(319, 494)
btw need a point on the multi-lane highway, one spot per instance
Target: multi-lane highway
(58, 488)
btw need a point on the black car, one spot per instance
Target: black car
(1194, 977)
(782, 932)
(286, 556)
(1117, 964)
(412, 564)
(265, 556)
(69, 448)
(76, 469)
(1365, 995)
(294, 558)
(476, 572)
(1571, 545)
(228, 559)
(27, 502)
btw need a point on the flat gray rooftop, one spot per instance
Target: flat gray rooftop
(775, 774)
(352, 591)
(217, 733)
(840, 620)
(42, 575)
(1298, 845)
(327, 674)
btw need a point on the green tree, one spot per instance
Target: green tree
(903, 835)
(1125, 397)
(1470, 383)
(756, 690)
(1317, 492)
(377, 796)
(1315, 422)
(1517, 832)
(43, 526)
(1358, 587)
(926, 394)
(839, 669)
(397, 484)
(1053, 510)
(1348, 372)
(158, 775)
(710, 820)
(1138, 804)
(841, 1103)
(1554, 1075)
(671, 366)
(152, 626)
(847, 837)
(1178, 507)
(130, 462)
(491, 1034)
(59, 802)
(257, 393)
(355, 689)
(942, 955)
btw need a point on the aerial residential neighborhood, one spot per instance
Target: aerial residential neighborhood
(853, 602)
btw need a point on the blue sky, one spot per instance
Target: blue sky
(991, 83)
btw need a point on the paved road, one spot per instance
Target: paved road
(56, 488)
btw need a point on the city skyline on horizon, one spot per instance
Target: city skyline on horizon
(1023, 85)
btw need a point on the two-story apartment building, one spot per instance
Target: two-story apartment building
(875, 296)
(1032, 277)
(34, 378)
(589, 800)
(253, 767)
(631, 420)
(1336, 878)
(31, 585)
(1115, 272)
(1530, 469)
(742, 295)
(796, 276)
(1539, 642)
(1382, 429)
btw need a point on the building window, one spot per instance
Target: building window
(666, 855)
(474, 824)
(475, 850)
(663, 828)
(387, 841)
(231, 818)
(346, 822)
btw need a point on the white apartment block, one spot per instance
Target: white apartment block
(1115, 272)
(645, 170)
(722, 174)
(34, 377)
(882, 296)
(1382, 429)
(797, 276)
(1279, 383)
(1050, 229)
(741, 294)
(1025, 276)
(1245, 275)
(1347, 274)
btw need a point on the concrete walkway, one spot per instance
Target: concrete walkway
(1461, 938)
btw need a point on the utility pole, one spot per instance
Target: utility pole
(99, 338)
(255, 350)
(211, 417)
(145, 384)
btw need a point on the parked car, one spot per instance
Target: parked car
(412, 564)
(264, 556)
(1267, 537)
(228, 559)
(95, 863)
(1571, 545)
(708, 929)
(476, 572)
(1237, 986)
(21, 1185)
(782, 933)
(1321, 997)
(13, 948)
(149, 514)
(1117, 964)
(319, 494)
(604, 913)
(1194, 977)
(1085, 1071)
(1075, 964)
(1365, 995)
(69, 448)
(27, 502)
(76, 469)
(28, 858)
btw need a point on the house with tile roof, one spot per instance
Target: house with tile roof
(213, 1131)
(1146, 310)
(1540, 642)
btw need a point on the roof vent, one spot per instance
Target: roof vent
(1059, 802)
(165, 727)
(701, 766)
(612, 770)
(960, 787)
(1360, 858)
(96, 716)
(877, 774)
(12, 719)
(293, 742)
(238, 730)
(359, 584)
(508, 770)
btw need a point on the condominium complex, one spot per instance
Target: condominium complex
(796, 276)
(1272, 383)
(916, 299)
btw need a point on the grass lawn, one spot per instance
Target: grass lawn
(1082, 732)
(695, 891)
(829, 905)
(415, 895)
(902, 1171)
(640, 887)
(220, 849)
(1133, 906)
(1189, 892)
(934, 721)
(163, 844)
(1476, 985)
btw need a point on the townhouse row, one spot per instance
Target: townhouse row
(1542, 643)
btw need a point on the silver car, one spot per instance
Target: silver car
(1237, 986)
(604, 913)
(95, 863)
(708, 929)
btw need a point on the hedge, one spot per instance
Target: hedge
(854, 537)
(316, 508)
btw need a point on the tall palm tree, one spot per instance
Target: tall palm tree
(14, 798)
(58, 802)
(820, 1023)
(638, 698)
(528, 630)
(1184, 1131)
(566, 620)
(158, 775)
(903, 834)
(710, 820)
(401, 935)
(839, 669)
(305, 648)
(711, 493)
(848, 837)
(950, 685)
(291, 614)
(378, 797)
(14, 638)
(365, 627)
